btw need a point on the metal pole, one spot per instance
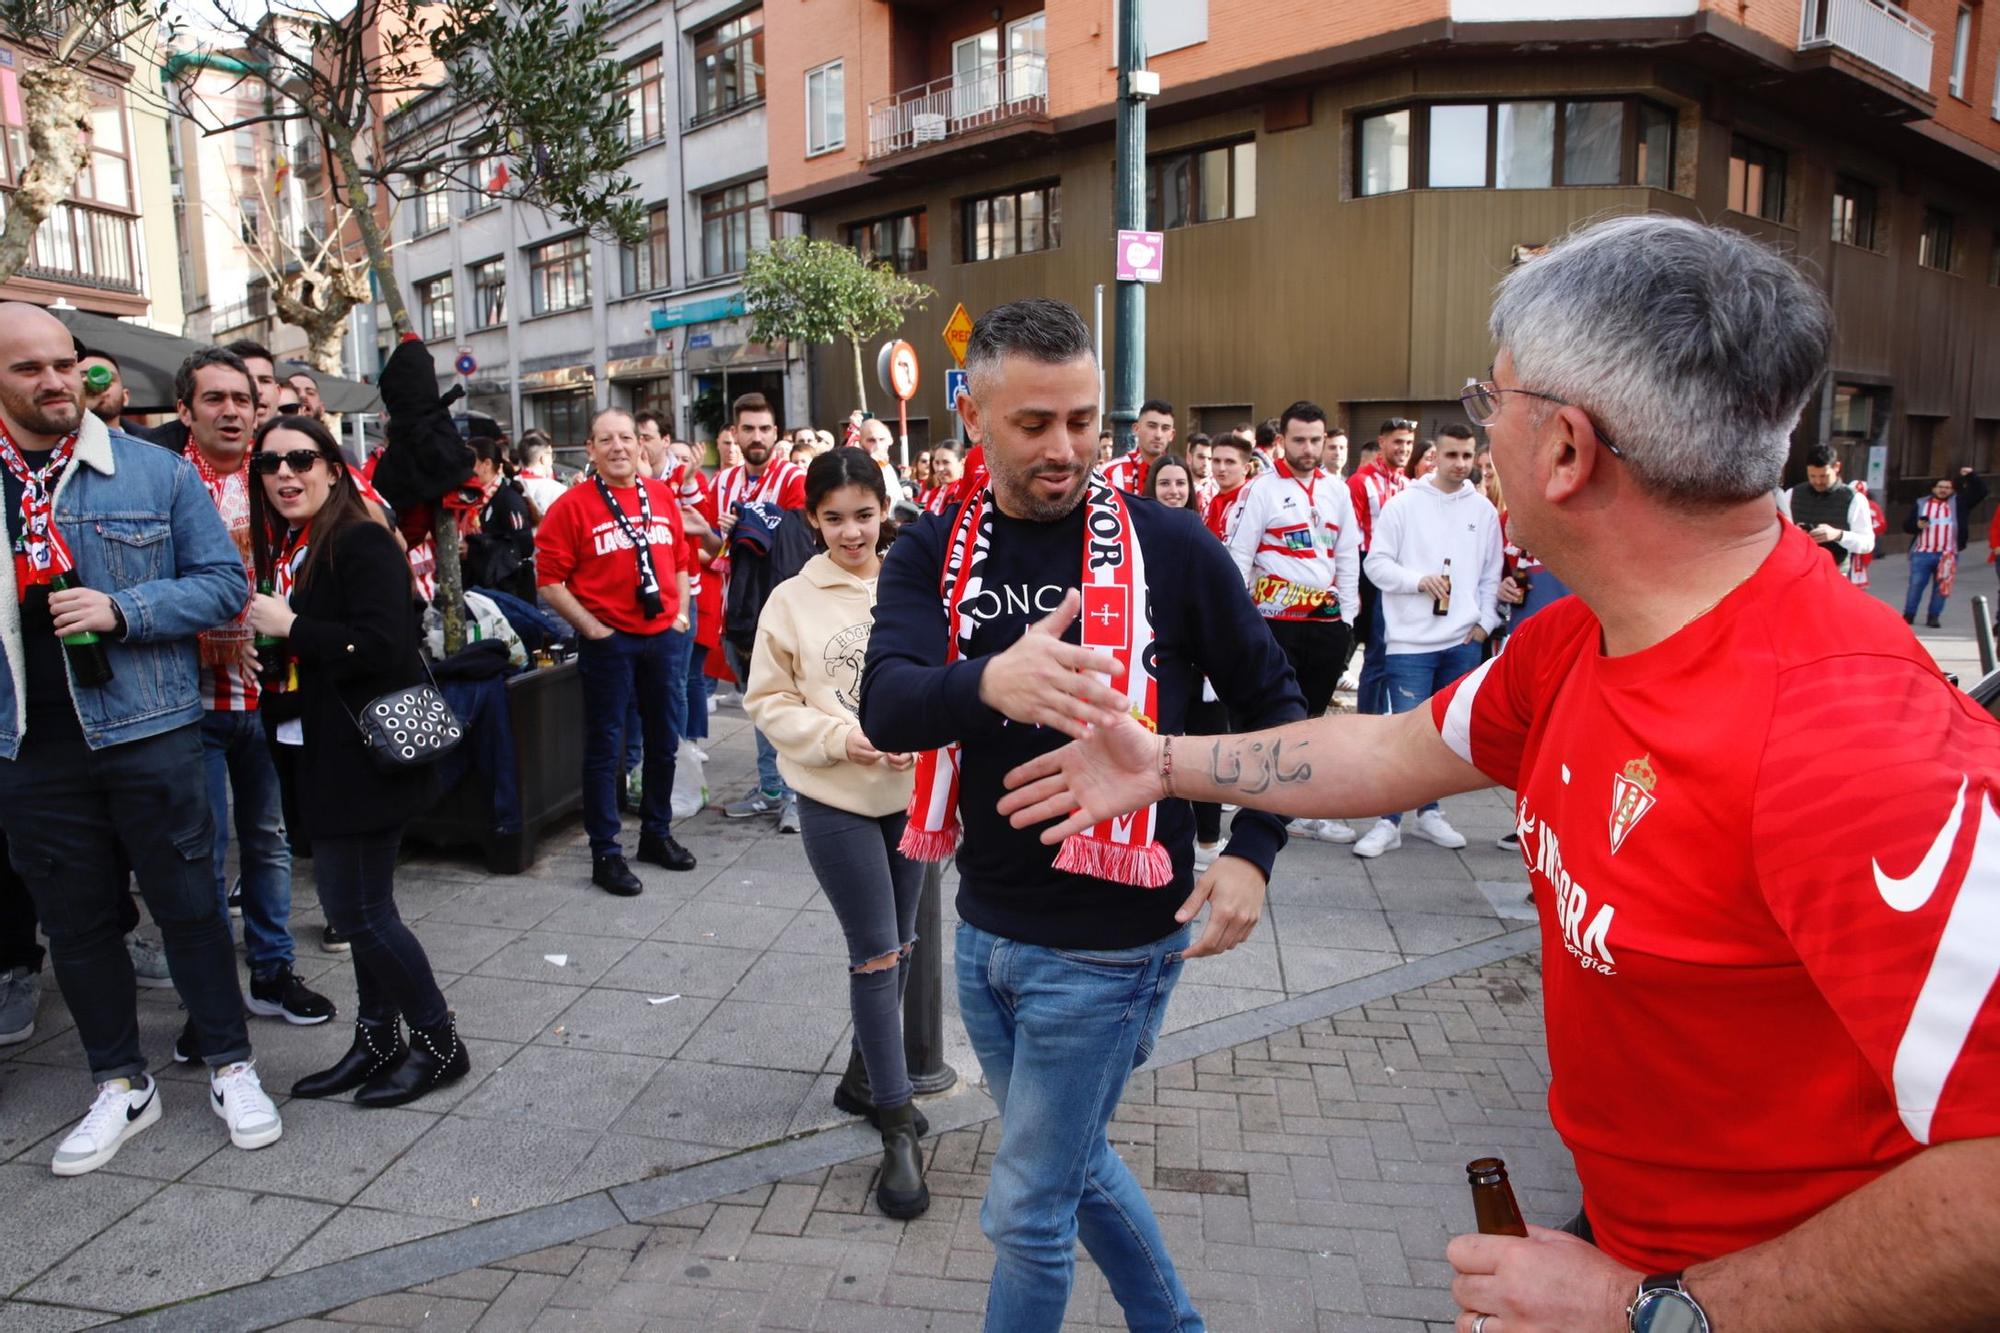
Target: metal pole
(1982, 630)
(1097, 333)
(923, 1001)
(1129, 368)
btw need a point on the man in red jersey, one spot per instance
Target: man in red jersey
(1775, 1053)
(1229, 462)
(1152, 437)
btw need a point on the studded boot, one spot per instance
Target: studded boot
(437, 1057)
(377, 1048)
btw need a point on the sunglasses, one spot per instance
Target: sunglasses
(288, 409)
(300, 461)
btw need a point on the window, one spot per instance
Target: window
(733, 223)
(433, 206)
(902, 241)
(729, 64)
(489, 293)
(559, 275)
(1201, 185)
(13, 126)
(645, 101)
(106, 177)
(645, 265)
(437, 314)
(251, 219)
(564, 416)
(1936, 246)
(1756, 179)
(826, 109)
(1854, 205)
(1019, 222)
(485, 178)
(1517, 145)
(1961, 50)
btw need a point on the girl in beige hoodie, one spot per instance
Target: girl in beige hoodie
(804, 693)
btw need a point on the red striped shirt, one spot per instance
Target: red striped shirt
(1941, 534)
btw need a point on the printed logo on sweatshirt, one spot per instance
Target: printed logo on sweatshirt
(607, 536)
(843, 657)
(985, 604)
(1631, 797)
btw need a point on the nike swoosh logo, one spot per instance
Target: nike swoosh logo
(1911, 891)
(134, 1112)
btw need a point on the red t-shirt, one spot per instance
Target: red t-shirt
(582, 545)
(1770, 903)
(1221, 508)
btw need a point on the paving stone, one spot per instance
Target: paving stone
(768, 1036)
(544, 1085)
(627, 1022)
(48, 1217)
(471, 1169)
(330, 1151)
(586, 958)
(725, 1105)
(673, 968)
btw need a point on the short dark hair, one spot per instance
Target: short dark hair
(485, 449)
(245, 348)
(1039, 328)
(294, 369)
(202, 358)
(1105, 434)
(749, 402)
(640, 418)
(1200, 437)
(1821, 455)
(85, 353)
(1458, 430)
(1231, 441)
(1160, 405)
(1301, 411)
(1368, 447)
(1267, 433)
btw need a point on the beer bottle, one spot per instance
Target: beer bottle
(88, 662)
(270, 648)
(1493, 1199)
(1441, 606)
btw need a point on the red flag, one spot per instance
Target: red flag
(498, 181)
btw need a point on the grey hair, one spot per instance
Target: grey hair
(1043, 330)
(1696, 347)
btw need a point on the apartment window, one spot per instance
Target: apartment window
(903, 242)
(1961, 50)
(826, 109)
(489, 293)
(1201, 185)
(1516, 145)
(1756, 179)
(106, 176)
(485, 178)
(645, 101)
(437, 312)
(250, 220)
(13, 128)
(559, 275)
(433, 205)
(733, 223)
(645, 265)
(729, 64)
(1018, 222)
(1936, 245)
(1854, 205)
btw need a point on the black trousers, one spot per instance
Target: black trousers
(59, 800)
(1371, 606)
(356, 878)
(18, 922)
(1317, 650)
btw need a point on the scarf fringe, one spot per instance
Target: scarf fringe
(930, 844)
(1147, 865)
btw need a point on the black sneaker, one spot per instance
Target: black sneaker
(283, 995)
(332, 941)
(1932, 623)
(611, 874)
(236, 897)
(665, 852)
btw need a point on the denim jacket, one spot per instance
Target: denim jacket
(142, 528)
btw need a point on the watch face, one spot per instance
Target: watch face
(1667, 1311)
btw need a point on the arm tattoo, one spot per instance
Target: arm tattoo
(1226, 766)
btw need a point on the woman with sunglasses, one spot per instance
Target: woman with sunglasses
(344, 610)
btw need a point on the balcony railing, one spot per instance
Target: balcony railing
(252, 309)
(1875, 30)
(1013, 88)
(84, 246)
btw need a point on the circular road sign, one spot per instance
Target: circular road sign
(897, 369)
(466, 365)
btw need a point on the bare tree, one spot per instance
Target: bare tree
(316, 282)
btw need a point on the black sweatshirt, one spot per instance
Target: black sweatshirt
(1203, 624)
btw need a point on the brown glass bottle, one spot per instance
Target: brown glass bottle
(1441, 606)
(1493, 1199)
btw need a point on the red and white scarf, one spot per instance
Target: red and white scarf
(40, 552)
(1115, 618)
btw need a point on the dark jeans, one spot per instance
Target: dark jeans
(1373, 695)
(874, 890)
(356, 876)
(18, 923)
(58, 802)
(1317, 650)
(1206, 718)
(241, 776)
(695, 725)
(1415, 677)
(1923, 576)
(615, 672)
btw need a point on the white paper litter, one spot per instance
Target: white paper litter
(559, 959)
(661, 999)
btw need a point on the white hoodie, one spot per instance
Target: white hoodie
(1417, 531)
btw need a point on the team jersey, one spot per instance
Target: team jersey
(782, 482)
(582, 545)
(694, 492)
(1296, 545)
(1127, 472)
(1204, 491)
(1369, 489)
(1770, 936)
(1220, 512)
(228, 683)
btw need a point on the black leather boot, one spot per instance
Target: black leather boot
(854, 1096)
(901, 1192)
(436, 1057)
(377, 1048)
(611, 874)
(664, 851)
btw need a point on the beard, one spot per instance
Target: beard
(44, 416)
(1015, 488)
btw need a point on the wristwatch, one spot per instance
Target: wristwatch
(1663, 1305)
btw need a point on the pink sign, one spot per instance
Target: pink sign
(1140, 256)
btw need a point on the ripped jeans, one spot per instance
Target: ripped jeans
(873, 889)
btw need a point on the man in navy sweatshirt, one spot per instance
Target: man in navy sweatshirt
(979, 651)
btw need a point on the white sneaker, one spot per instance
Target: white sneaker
(120, 1111)
(700, 755)
(712, 705)
(1386, 836)
(1204, 857)
(235, 1094)
(1509, 841)
(1433, 825)
(1325, 830)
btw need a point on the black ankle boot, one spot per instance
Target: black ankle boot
(854, 1096)
(611, 874)
(377, 1048)
(901, 1193)
(437, 1057)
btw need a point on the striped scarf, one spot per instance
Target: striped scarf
(40, 552)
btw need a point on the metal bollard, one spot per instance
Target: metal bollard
(1982, 632)
(923, 1002)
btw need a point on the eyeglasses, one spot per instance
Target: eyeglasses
(1481, 401)
(300, 461)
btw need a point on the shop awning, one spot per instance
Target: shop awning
(147, 360)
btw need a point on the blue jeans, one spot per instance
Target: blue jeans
(1923, 569)
(238, 760)
(695, 726)
(768, 780)
(618, 674)
(1414, 677)
(1058, 1032)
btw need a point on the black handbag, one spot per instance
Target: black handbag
(410, 727)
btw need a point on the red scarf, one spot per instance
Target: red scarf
(39, 552)
(1115, 617)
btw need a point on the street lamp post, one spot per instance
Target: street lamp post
(1135, 84)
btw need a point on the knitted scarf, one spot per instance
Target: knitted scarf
(40, 553)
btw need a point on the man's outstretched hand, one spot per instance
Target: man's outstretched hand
(1048, 683)
(1111, 768)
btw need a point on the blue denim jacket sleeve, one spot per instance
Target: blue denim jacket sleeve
(208, 586)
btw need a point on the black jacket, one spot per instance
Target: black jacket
(355, 639)
(754, 573)
(502, 553)
(1967, 495)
